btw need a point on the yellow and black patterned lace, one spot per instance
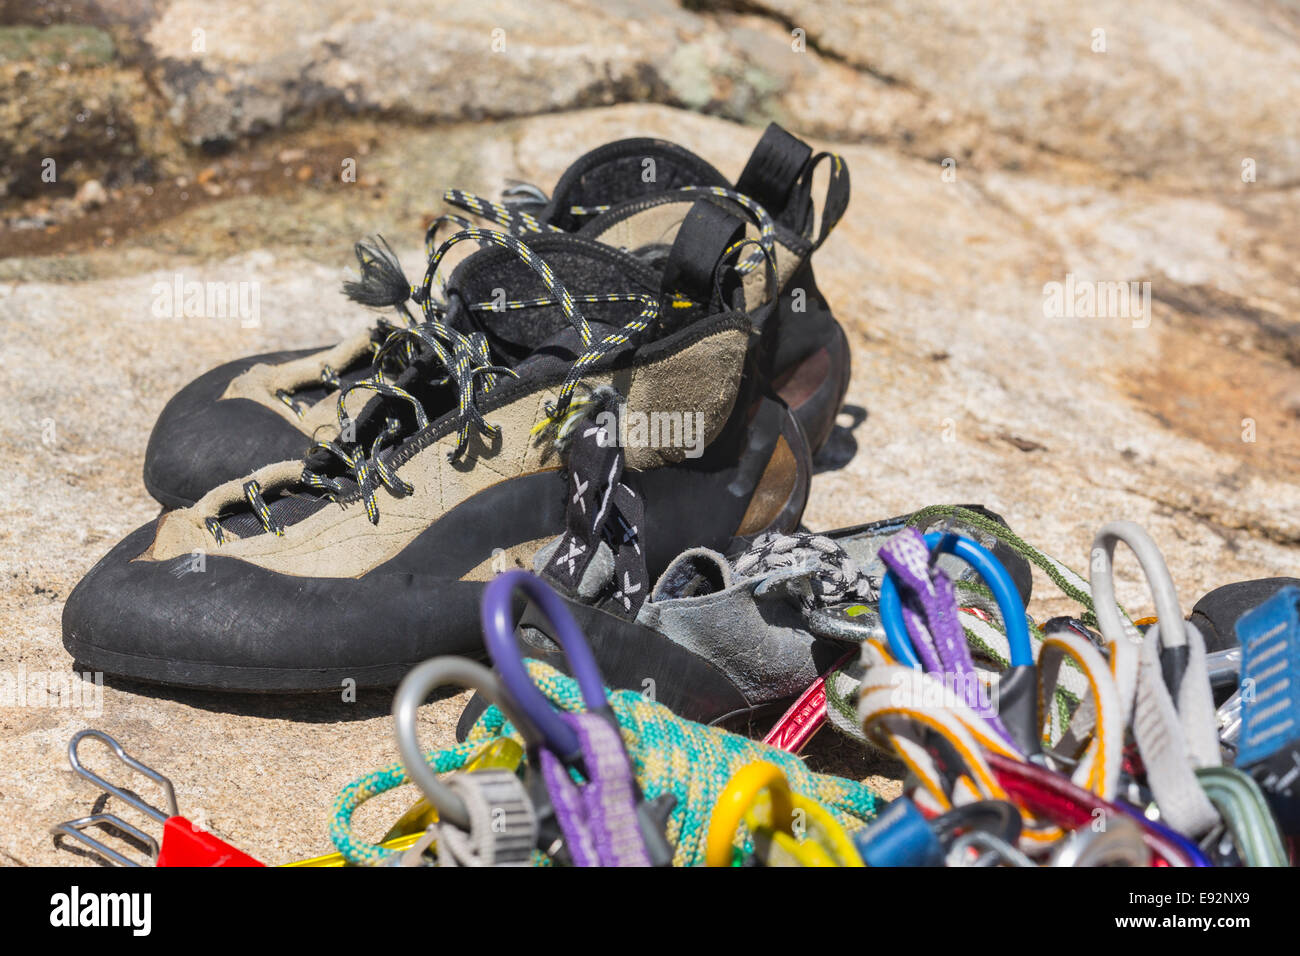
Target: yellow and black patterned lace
(329, 378)
(466, 359)
(559, 296)
(519, 222)
(381, 286)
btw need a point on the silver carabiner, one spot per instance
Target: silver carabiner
(411, 693)
(991, 850)
(1119, 844)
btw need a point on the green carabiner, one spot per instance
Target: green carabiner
(1244, 809)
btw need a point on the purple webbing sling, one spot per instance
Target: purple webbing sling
(930, 612)
(599, 818)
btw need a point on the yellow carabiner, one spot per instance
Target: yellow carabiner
(735, 801)
(759, 796)
(505, 754)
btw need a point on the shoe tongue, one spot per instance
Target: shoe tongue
(561, 349)
(499, 276)
(693, 573)
(284, 511)
(623, 170)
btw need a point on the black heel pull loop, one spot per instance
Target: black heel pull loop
(774, 170)
(705, 235)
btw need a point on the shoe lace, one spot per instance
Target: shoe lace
(382, 284)
(464, 357)
(515, 218)
(833, 576)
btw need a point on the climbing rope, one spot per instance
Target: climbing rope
(669, 755)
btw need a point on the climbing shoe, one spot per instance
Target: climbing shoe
(1217, 613)
(732, 640)
(633, 194)
(369, 555)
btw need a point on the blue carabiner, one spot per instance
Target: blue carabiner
(499, 636)
(1194, 853)
(995, 576)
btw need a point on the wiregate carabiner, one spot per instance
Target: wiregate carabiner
(499, 635)
(759, 796)
(1245, 810)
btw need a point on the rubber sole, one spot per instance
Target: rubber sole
(224, 678)
(201, 440)
(239, 628)
(168, 501)
(195, 641)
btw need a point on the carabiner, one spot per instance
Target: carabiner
(1018, 686)
(1245, 810)
(1163, 682)
(1119, 843)
(805, 716)
(990, 850)
(995, 576)
(555, 737)
(1101, 580)
(1191, 852)
(1055, 797)
(759, 796)
(411, 828)
(499, 636)
(415, 688)
(996, 817)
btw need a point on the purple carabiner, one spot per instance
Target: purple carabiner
(499, 636)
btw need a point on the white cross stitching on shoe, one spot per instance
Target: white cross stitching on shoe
(629, 534)
(602, 436)
(628, 588)
(581, 489)
(575, 551)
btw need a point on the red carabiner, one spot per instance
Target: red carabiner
(1060, 800)
(800, 723)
